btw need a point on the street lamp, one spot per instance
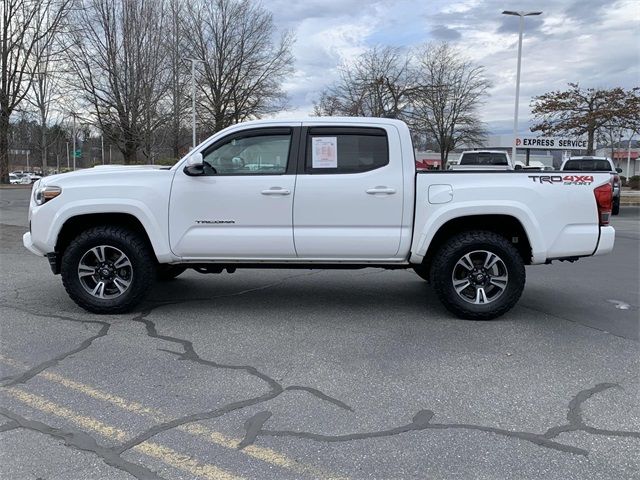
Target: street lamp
(193, 96)
(515, 116)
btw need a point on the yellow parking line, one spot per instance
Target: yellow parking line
(264, 454)
(150, 449)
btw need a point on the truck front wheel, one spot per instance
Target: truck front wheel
(108, 269)
(478, 275)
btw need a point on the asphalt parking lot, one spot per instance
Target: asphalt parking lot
(320, 374)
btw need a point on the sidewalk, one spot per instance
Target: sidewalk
(630, 197)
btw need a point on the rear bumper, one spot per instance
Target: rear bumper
(607, 239)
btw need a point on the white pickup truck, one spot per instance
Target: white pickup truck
(313, 193)
(483, 160)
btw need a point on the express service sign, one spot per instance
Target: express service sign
(552, 143)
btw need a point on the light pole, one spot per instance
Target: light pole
(74, 141)
(515, 116)
(193, 97)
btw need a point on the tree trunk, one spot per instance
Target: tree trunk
(590, 139)
(43, 148)
(4, 147)
(130, 152)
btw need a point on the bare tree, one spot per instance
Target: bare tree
(25, 33)
(48, 73)
(177, 52)
(580, 111)
(449, 90)
(243, 67)
(377, 84)
(119, 65)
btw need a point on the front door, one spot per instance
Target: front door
(242, 207)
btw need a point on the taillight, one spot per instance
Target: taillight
(604, 200)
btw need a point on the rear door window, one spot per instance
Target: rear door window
(345, 150)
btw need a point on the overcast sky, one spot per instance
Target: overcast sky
(593, 42)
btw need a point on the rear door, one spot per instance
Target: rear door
(349, 198)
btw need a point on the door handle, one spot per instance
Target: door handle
(276, 191)
(381, 189)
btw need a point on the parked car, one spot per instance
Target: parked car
(335, 192)
(598, 164)
(483, 160)
(20, 178)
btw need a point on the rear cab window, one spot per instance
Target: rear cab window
(483, 158)
(588, 165)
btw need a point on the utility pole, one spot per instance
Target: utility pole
(68, 158)
(629, 156)
(515, 115)
(102, 146)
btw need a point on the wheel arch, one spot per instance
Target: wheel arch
(79, 223)
(507, 226)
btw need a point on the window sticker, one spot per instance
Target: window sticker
(324, 152)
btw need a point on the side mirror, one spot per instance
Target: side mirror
(195, 165)
(518, 167)
(619, 170)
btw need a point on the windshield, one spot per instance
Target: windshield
(483, 158)
(588, 165)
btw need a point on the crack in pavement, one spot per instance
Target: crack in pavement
(422, 421)
(85, 442)
(12, 425)
(32, 372)
(189, 354)
(321, 396)
(574, 416)
(253, 427)
(195, 417)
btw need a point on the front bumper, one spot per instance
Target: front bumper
(29, 245)
(607, 239)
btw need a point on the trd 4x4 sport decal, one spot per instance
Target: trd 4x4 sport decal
(566, 180)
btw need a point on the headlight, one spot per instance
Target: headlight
(43, 194)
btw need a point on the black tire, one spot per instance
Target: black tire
(110, 238)
(615, 209)
(422, 272)
(167, 272)
(448, 262)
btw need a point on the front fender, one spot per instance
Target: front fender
(46, 240)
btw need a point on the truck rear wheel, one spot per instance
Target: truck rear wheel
(108, 269)
(478, 275)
